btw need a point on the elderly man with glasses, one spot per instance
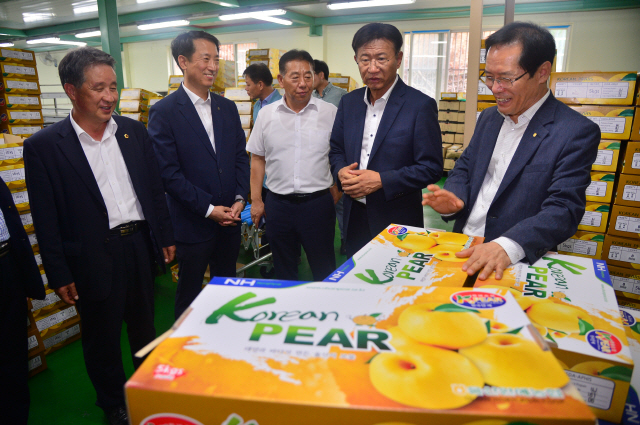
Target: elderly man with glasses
(521, 181)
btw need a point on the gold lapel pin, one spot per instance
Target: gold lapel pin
(126, 136)
(218, 108)
(535, 134)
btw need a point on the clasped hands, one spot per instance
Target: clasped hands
(227, 216)
(487, 257)
(359, 183)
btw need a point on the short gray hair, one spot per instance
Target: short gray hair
(72, 67)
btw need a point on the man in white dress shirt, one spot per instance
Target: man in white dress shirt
(290, 141)
(521, 182)
(101, 220)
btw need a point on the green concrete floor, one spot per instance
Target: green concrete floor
(63, 394)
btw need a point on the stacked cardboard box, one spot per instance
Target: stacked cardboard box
(451, 112)
(174, 83)
(226, 76)
(604, 98)
(343, 81)
(20, 104)
(135, 103)
(269, 57)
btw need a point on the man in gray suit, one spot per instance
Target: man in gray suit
(521, 181)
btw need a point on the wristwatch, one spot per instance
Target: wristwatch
(244, 203)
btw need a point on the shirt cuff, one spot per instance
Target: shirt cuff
(512, 248)
(239, 198)
(209, 211)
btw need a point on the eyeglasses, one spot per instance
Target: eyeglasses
(505, 83)
(366, 62)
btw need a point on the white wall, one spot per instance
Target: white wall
(603, 40)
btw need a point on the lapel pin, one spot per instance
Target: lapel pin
(218, 108)
(126, 136)
(535, 134)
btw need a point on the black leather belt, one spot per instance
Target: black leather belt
(5, 247)
(127, 228)
(299, 198)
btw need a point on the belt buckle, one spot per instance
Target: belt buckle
(127, 230)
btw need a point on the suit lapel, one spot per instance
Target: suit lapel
(72, 150)
(188, 110)
(216, 120)
(359, 115)
(391, 110)
(129, 154)
(483, 158)
(533, 136)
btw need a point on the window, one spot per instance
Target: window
(436, 61)
(227, 52)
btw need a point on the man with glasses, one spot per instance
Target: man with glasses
(521, 181)
(385, 143)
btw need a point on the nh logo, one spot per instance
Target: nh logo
(336, 276)
(240, 282)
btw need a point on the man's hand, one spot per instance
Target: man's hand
(488, 256)
(68, 293)
(361, 183)
(236, 209)
(345, 173)
(257, 211)
(223, 215)
(169, 253)
(442, 201)
(335, 193)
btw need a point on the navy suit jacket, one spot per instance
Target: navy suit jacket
(541, 198)
(194, 175)
(30, 280)
(69, 213)
(407, 152)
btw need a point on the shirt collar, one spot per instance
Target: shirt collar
(327, 89)
(111, 128)
(282, 105)
(384, 96)
(268, 98)
(529, 113)
(194, 97)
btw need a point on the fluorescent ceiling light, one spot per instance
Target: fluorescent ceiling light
(274, 20)
(6, 44)
(144, 1)
(167, 24)
(55, 40)
(36, 16)
(254, 15)
(370, 3)
(79, 10)
(89, 34)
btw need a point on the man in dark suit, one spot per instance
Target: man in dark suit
(521, 181)
(101, 220)
(200, 145)
(19, 279)
(385, 144)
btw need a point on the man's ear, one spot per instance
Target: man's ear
(70, 90)
(182, 62)
(280, 79)
(544, 72)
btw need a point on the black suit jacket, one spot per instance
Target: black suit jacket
(26, 267)
(69, 213)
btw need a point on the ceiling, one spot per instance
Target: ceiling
(28, 19)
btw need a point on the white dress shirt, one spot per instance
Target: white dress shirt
(508, 141)
(111, 173)
(295, 146)
(371, 124)
(203, 108)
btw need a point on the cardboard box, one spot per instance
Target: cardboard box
(22, 130)
(51, 302)
(272, 64)
(630, 313)
(265, 53)
(445, 146)
(37, 364)
(38, 258)
(136, 116)
(34, 342)
(458, 138)
(484, 92)
(448, 127)
(137, 94)
(583, 244)
(19, 70)
(11, 154)
(482, 106)
(601, 187)
(245, 121)
(327, 361)
(344, 82)
(594, 88)
(57, 319)
(449, 105)
(128, 105)
(626, 282)
(16, 117)
(13, 176)
(21, 199)
(448, 138)
(448, 116)
(45, 281)
(19, 86)
(622, 252)
(635, 128)
(27, 221)
(463, 105)
(22, 101)
(31, 323)
(625, 222)
(175, 81)
(448, 95)
(33, 240)
(155, 99)
(247, 133)
(631, 160)
(244, 108)
(236, 93)
(571, 302)
(608, 156)
(62, 338)
(448, 164)
(596, 218)
(614, 121)
(12, 54)
(628, 190)
(405, 255)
